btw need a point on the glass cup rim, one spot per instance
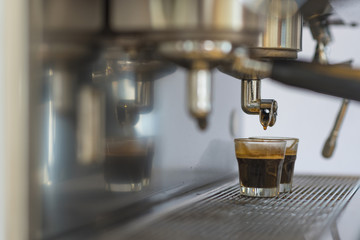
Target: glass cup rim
(275, 138)
(258, 140)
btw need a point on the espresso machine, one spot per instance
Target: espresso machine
(119, 118)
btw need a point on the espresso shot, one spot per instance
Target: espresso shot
(259, 173)
(260, 164)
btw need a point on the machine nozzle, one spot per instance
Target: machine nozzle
(200, 94)
(251, 103)
(199, 57)
(268, 113)
(202, 123)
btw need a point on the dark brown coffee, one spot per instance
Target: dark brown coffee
(126, 169)
(288, 168)
(259, 173)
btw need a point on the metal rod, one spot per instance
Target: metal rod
(330, 143)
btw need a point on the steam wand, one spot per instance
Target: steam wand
(320, 30)
(330, 143)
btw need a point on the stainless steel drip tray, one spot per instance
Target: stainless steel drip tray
(221, 213)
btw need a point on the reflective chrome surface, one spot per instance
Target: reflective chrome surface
(282, 34)
(251, 72)
(251, 103)
(91, 126)
(216, 19)
(200, 94)
(193, 33)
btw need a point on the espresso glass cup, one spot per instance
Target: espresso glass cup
(260, 164)
(289, 161)
(128, 164)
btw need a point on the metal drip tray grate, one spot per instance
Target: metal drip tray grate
(304, 214)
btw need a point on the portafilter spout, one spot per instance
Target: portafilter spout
(251, 72)
(251, 103)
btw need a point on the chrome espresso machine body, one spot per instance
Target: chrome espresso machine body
(116, 118)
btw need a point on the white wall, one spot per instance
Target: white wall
(310, 116)
(2, 182)
(183, 144)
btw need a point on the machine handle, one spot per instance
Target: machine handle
(336, 80)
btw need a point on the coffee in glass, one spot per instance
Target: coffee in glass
(260, 164)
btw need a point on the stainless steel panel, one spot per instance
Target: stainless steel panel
(166, 20)
(172, 15)
(68, 15)
(76, 194)
(282, 34)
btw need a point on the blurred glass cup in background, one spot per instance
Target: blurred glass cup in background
(128, 164)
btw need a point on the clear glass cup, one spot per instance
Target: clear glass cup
(128, 164)
(289, 161)
(260, 164)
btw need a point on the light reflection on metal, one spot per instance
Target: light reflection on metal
(91, 126)
(251, 103)
(45, 177)
(51, 137)
(146, 126)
